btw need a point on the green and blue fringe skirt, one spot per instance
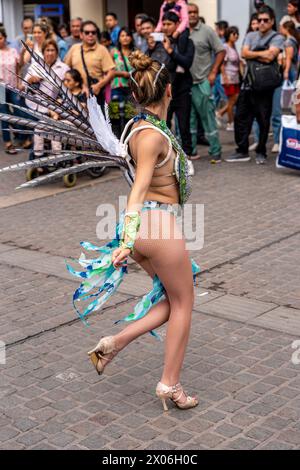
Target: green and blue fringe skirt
(100, 280)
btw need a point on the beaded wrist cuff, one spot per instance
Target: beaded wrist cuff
(132, 222)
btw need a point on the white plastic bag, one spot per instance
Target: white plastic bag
(288, 89)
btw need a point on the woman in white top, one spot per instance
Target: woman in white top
(41, 32)
(35, 78)
(293, 13)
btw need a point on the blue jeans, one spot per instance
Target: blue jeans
(276, 114)
(13, 98)
(255, 130)
(219, 92)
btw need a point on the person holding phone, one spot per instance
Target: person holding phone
(180, 56)
(41, 32)
(139, 40)
(156, 48)
(147, 29)
(177, 55)
(27, 27)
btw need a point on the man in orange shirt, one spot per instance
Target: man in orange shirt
(92, 60)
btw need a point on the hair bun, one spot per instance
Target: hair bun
(140, 61)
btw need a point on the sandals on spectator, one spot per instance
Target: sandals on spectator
(10, 149)
(27, 144)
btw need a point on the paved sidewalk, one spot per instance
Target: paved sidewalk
(51, 397)
(245, 321)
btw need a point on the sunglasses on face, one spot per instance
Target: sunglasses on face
(90, 32)
(263, 20)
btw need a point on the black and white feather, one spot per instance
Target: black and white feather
(87, 132)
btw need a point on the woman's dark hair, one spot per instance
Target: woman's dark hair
(296, 4)
(105, 35)
(50, 42)
(129, 33)
(150, 81)
(43, 26)
(171, 16)
(63, 26)
(76, 76)
(266, 10)
(229, 31)
(292, 30)
(254, 16)
(258, 4)
(222, 25)
(131, 45)
(3, 32)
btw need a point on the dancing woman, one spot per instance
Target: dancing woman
(150, 210)
(156, 167)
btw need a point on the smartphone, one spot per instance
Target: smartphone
(30, 37)
(158, 37)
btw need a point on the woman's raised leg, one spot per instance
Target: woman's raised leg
(156, 317)
(165, 254)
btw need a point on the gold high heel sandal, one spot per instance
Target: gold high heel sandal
(105, 346)
(165, 392)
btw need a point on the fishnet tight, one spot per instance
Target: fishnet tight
(169, 259)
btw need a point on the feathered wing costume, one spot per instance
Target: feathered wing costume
(90, 131)
(87, 130)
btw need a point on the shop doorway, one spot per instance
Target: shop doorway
(57, 11)
(150, 7)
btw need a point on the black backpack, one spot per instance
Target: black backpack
(264, 77)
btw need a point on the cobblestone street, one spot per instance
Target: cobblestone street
(245, 320)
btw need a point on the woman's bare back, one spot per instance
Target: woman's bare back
(164, 186)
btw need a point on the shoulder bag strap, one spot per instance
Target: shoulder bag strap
(270, 39)
(85, 68)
